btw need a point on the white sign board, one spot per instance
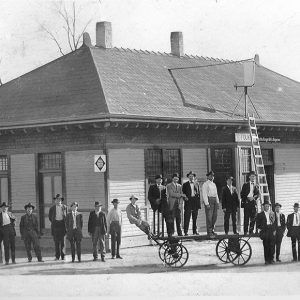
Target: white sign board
(244, 137)
(249, 73)
(99, 163)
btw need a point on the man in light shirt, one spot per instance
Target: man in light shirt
(211, 202)
(57, 217)
(7, 228)
(114, 228)
(280, 226)
(265, 222)
(249, 194)
(293, 227)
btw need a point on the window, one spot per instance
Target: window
(162, 161)
(50, 161)
(245, 163)
(3, 179)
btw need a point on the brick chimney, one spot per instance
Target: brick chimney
(86, 39)
(256, 59)
(177, 43)
(104, 35)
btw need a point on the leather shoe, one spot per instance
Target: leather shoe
(112, 257)
(40, 260)
(102, 259)
(278, 260)
(186, 234)
(119, 257)
(196, 233)
(95, 259)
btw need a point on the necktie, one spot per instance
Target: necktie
(74, 220)
(297, 219)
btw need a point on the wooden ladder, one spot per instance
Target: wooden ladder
(258, 162)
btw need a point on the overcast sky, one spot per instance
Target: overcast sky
(231, 29)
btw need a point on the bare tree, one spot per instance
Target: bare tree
(0, 77)
(73, 31)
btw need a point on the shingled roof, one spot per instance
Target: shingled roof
(94, 83)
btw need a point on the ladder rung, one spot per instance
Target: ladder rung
(262, 175)
(257, 155)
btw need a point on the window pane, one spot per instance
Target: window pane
(153, 164)
(50, 161)
(57, 185)
(4, 190)
(171, 163)
(3, 163)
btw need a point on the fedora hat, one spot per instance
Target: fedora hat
(175, 175)
(29, 205)
(159, 176)
(133, 197)
(59, 196)
(115, 201)
(4, 204)
(266, 202)
(190, 173)
(97, 203)
(252, 173)
(74, 203)
(278, 204)
(296, 204)
(210, 173)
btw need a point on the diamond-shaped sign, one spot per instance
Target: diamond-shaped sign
(100, 163)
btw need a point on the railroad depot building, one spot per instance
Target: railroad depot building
(148, 113)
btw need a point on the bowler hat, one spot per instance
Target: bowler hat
(175, 175)
(296, 204)
(133, 197)
(229, 177)
(210, 173)
(159, 176)
(97, 203)
(74, 203)
(115, 201)
(266, 202)
(59, 196)
(28, 205)
(278, 204)
(4, 204)
(252, 173)
(190, 173)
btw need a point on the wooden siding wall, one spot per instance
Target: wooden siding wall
(83, 184)
(196, 160)
(127, 177)
(287, 178)
(23, 188)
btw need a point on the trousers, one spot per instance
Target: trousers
(31, 238)
(75, 240)
(278, 240)
(115, 232)
(269, 244)
(250, 212)
(170, 217)
(9, 243)
(226, 220)
(59, 232)
(211, 214)
(98, 237)
(187, 216)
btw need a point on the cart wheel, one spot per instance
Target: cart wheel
(176, 256)
(161, 250)
(242, 255)
(222, 250)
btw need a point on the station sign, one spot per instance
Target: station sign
(99, 163)
(244, 137)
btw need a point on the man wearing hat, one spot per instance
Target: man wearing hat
(280, 226)
(74, 230)
(57, 217)
(134, 216)
(230, 204)
(249, 194)
(7, 227)
(155, 194)
(192, 203)
(30, 232)
(97, 228)
(173, 212)
(114, 228)
(211, 201)
(293, 227)
(265, 222)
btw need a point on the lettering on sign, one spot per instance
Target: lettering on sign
(99, 163)
(243, 137)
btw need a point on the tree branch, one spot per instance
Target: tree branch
(52, 36)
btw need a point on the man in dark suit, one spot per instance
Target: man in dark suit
(230, 204)
(155, 194)
(74, 230)
(7, 225)
(192, 202)
(265, 222)
(293, 227)
(97, 228)
(280, 226)
(30, 232)
(57, 217)
(249, 194)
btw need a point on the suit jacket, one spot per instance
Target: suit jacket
(97, 221)
(261, 223)
(69, 225)
(153, 194)
(192, 203)
(293, 231)
(230, 202)
(282, 227)
(173, 195)
(52, 214)
(245, 192)
(12, 221)
(24, 224)
(133, 214)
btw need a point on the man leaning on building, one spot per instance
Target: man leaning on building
(211, 201)
(57, 217)
(30, 234)
(7, 228)
(249, 194)
(97, 228)
(293, 227)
